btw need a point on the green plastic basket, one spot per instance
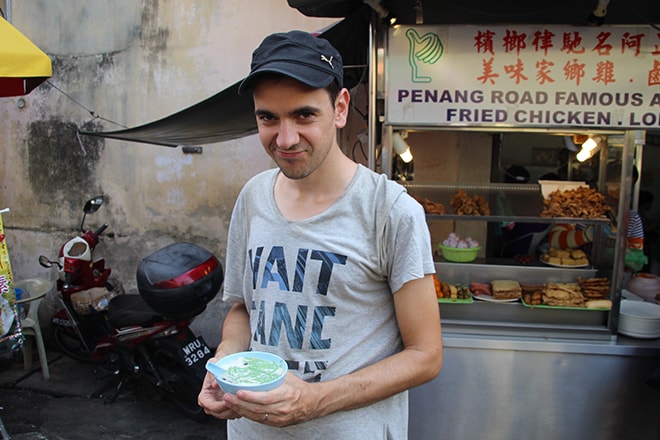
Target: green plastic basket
(459, 255)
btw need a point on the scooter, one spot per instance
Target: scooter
(142, 337)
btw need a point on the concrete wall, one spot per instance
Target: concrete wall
(129, 62)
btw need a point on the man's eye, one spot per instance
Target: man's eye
(306, 115)
(265, 118)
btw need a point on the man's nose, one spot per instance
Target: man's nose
(287, 135)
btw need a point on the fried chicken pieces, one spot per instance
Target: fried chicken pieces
(532, 294)
(464, 204)
(580, 202)
(431, 207)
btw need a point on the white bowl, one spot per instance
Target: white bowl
(639, 319)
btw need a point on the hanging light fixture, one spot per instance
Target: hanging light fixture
(401, 147)
(589, 148)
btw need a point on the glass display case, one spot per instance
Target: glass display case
(523, 203)
(512, 203)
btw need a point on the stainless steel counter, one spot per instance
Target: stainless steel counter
(494, 387)
(617, 345)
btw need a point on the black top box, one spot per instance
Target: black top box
(179, 280)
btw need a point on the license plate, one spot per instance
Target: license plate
(196, 352)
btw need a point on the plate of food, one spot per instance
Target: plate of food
(490, 298)
(453, 293)
(565, 266)
(497, 291)
(455, 300)
(567, 296)
(596, 305)
(565, 258)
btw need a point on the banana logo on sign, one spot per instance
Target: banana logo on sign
(427, 49)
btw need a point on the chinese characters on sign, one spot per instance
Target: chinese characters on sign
(536, 76)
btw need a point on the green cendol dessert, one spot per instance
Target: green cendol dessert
(253, 371)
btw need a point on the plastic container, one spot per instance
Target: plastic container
(459, 255)
(179, 280)
(644, 285)
(19, 296)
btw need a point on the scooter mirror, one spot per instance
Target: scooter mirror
(44, 261)
(92, 205)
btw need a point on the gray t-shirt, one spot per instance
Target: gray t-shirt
(320, 292)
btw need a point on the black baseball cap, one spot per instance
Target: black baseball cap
(299, 55)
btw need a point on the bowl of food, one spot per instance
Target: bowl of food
(459, 255)
(248, 370)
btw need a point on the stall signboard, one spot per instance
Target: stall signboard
(524, 76)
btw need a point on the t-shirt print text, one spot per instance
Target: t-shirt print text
(303, 327)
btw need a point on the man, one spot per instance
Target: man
(329, 265)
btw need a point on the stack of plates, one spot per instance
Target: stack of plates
(639, 319)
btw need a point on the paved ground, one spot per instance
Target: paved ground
(67, 407)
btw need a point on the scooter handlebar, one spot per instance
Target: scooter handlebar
(100, 230)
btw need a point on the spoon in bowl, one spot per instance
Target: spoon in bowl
(216, 370)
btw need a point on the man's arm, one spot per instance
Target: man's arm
(418, 317)
(420, 361)
(235, 332)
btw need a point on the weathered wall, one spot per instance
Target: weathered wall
(129, 62)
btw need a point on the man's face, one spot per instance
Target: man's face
(297, 124)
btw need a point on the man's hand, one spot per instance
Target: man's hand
(211, 400)
(293, 402)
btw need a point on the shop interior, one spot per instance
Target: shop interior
(472, 158)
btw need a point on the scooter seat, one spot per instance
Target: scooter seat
(126, 310)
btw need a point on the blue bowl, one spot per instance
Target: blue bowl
(248, 370)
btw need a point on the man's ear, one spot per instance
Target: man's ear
(341, 108)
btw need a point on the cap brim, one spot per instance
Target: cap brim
(311, 77)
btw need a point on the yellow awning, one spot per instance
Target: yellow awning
(23, 66)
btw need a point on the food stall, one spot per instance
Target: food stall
(450, 95)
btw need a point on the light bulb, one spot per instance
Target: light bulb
(406, 156)
(591, 143)
(583, 155)
(402, 148)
